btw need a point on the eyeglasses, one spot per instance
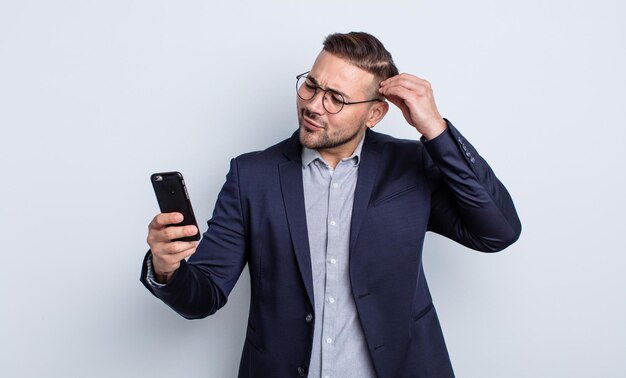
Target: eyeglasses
(332, 101)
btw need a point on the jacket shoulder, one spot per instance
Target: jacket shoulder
(393, 144)
(271, 155)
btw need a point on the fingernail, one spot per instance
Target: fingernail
(178, 217)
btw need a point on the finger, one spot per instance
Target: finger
(171, 262)
(173, 258)
(165, 219)
(397, 101)
(421, 87)
(403, 77)
(395, 79)
(413, 83)
(177, 247)
(397, 91)
(168, 254)
(174, 232)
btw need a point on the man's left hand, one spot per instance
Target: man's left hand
(414, 97)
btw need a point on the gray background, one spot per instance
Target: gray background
(96, 95)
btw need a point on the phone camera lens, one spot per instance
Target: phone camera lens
(158, 178)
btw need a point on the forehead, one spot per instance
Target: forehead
(333, 72)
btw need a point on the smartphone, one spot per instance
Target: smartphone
(171, 193)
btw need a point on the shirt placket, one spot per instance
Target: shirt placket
(331, 289)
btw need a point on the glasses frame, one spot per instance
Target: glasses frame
(343, 102)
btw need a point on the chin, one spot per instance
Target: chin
(305, 138)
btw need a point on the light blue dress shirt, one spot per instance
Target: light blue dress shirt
(339, 347)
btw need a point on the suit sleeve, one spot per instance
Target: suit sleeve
(468, 202)
(201, 286)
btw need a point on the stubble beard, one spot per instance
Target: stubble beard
(322, 139)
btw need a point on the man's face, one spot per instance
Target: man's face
(321, 130)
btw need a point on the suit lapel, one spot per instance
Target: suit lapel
(293, 197)
(368, 169)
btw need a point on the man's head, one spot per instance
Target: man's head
(352, 65)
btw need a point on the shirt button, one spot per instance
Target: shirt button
(329, 340)
(331, 300)
(301, 371)
(332, 223)
(308, 318)
(333, 261)
(335, 185)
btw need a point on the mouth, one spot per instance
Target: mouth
(310, 124)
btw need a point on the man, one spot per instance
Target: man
(331, 223)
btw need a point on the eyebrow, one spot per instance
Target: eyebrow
(345, 96)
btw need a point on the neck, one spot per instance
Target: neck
(332, 156)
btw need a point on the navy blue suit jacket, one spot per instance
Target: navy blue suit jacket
(404, 189)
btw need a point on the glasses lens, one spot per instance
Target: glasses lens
(306, 88)
(333, 102)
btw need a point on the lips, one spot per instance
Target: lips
(310, 124)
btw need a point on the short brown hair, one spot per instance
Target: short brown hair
(364, 51)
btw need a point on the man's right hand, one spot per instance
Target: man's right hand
(167, 254)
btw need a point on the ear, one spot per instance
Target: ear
(376, 113)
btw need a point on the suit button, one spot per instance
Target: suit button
(308, 318)
(301, 371)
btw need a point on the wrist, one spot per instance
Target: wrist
(435, 129)
(163, 278)
(160, 276)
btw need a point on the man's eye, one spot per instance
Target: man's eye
(311, 87)
(336, 98)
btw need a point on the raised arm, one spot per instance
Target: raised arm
(468, 204)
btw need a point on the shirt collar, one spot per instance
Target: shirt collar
(310, 155)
